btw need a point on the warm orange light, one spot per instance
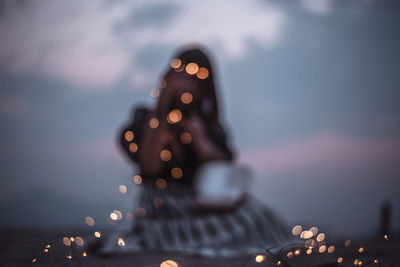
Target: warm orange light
(192, 68)
(84, 254)
(113, 216)
(153, 123)
(297, 252)
(320, 237)
(97, 234)
(118, 213)
(129, 135)
(297, 230)
(165, 155)
(347, 243)
(322, 249)
(161, 183)
(186, 138)
(260, 258)
(340, 260)
(202, 73)
(175, 63)
(176, 173)
(79, 241)
(133, 147)
(33, 260)
(69, 257)
(331, 249)
(137, 179)
(169, 263)
(174, 116)
(67, 241)
(289, 254)
(186, 98)
(361, 250)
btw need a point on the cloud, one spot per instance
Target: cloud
(327, 153)
(82, 42)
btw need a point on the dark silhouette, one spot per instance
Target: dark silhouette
(169, 144)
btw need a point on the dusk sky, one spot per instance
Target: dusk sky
(309, 90)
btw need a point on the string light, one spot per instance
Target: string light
(361, 250)
(129, 135)
(137, 179)
(320, 237)
(347, 243)
(169, 263)
(185, 138)
(175, 63)
(97, 234)
(122, 189)
(154, 123)
(121, 242)
(297, 230)
(165, 155)
(176, 173)
(340, 260)
(34, 260)
(289, 254)
(161, 183)
(331, 249)
(69, 257)
(186, 98)
(192, 68)
(174, 116)
(89, 221)
(72, 239)
(260, 258)
(66, 241)
(79, 241)
(322, 249)
(202, 73)
(386, 237)
(133, 147)
(84, 254)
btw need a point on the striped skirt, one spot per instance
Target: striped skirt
(170, 220)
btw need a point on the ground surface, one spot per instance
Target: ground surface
(18, 247)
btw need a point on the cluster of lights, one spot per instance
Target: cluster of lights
(191, 68)
(317, 241)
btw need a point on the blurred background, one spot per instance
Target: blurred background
(309, 92)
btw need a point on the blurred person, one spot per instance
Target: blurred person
(170, 144)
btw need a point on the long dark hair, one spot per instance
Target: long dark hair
(209, 103)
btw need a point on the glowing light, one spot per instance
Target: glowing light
(308, 234)
(340, 260)
(165, 155)
(155, 92)
(289, 254)
(45, 250)
(66, 241)
(89, 221)
(278, 263)
(186, 138)
(129, 216)
(122, 189)
(140, 212)
(118, 213)
(297, 252)
(313, 230)
(320, 237)
(347, 243)
(79, 241)
(97, 234)
(161, 183)
(331, 249)
(133, 147)
(202, 73)
(176, 173)
(260, 258)
(361, 250)
(175, 63)
(84, 254)
(69, 257)
(33, 260)
(356, 261)
(376, 261)
(121, 242)
(153, 123)
(174, 116)
(322, 249)
(113, 216)
(360, 263)
(48, 246)
(137, 179)
(186, 98)
(129, 135)
(386, 237)
(181, 68)
(309, 251)
(72, 239)
(158, 202)
(297, 230)
(169, 263)
(192, 68)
